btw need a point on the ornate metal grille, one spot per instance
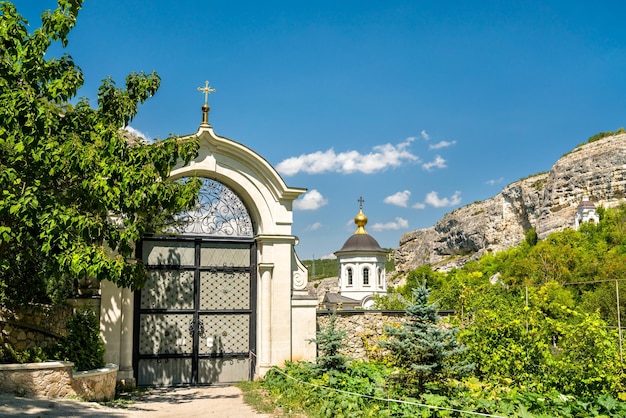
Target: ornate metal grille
(225, 334)
(223, 290)
(218, 212)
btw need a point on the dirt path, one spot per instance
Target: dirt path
(222, 402)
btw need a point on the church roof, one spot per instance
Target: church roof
(361, 242)
(586, 204)
(336, 298)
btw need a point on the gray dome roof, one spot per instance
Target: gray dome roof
(586, 204)
(361, 242)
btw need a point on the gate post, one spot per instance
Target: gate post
(125, 373)
(116, 329)
(303, 327)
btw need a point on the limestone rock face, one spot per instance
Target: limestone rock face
(546, 202)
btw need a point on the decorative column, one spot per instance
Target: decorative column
(264, 352)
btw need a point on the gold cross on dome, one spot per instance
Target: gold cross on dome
(361, 200)
(206, 90)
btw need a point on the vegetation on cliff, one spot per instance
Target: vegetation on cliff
(601, 135)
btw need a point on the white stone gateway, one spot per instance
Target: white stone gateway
(226, 297)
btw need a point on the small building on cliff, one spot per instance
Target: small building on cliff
(586, 212)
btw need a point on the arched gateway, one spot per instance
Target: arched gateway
(226, 295)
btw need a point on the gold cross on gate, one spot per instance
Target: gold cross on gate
(206, 90)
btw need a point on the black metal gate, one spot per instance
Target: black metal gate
(195, 316)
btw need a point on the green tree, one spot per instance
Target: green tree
(330, 341)
(77, 191)
(498, 342)
(461, 290)
(531, 237)
(390, 301)
(543, 346)
(422, 274)
(585, 359)
(422, 349)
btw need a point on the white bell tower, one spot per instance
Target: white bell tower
(362, 264)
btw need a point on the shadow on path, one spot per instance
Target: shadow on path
(15, 406)
(190, 402)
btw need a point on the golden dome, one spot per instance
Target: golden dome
(360, 220)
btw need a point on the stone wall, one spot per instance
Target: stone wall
(364, 329)
(39, 325)
(33, 325)
(55, 379)
(96, 385)
(52, 379)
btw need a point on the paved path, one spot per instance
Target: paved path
(218, 402)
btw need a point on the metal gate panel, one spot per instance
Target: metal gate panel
(165, 334)
(164, 372)
(225, 255)
(223, 370)
(168, 289)
(169, 253)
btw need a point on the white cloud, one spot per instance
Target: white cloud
(381, 158)
(313, 227)
(137, 133)
(330, 256)
(441, 144)
(312, 200)
(425, 135)
(493, 182)
(419, 205)
(399, 199)
(437, 162)
(433, 199)
(399, 223)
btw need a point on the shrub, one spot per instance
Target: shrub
(83, 345)
(31, 355)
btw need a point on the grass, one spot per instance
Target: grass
(261, 401)
(255, 396)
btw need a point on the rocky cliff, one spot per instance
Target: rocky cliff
(546, 202)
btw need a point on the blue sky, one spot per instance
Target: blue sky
(418, 106)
